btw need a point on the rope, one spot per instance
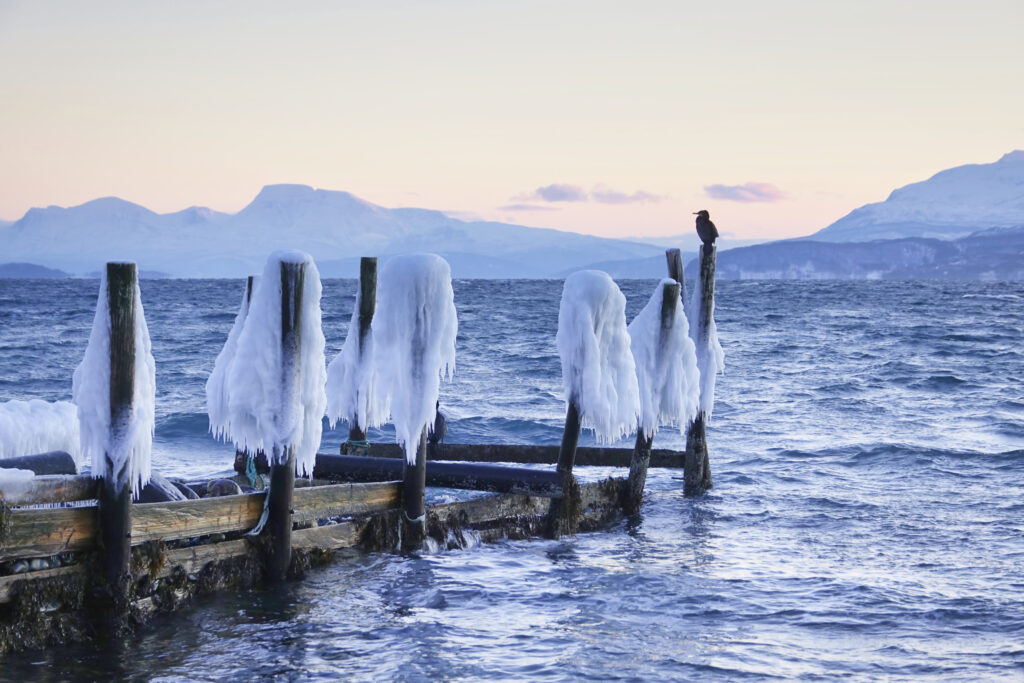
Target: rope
(251, 474)
(258, 529)
(422, 519)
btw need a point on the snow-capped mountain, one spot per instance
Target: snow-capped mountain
(992, 254)
(336, 228)
(951, 204)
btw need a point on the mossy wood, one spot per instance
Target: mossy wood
(493, 517)
(43, 532)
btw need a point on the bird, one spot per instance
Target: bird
(706, 230)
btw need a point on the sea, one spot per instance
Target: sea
(866, 520)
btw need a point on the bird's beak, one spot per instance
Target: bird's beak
(695, 213)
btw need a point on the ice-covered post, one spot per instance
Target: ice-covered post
(114, 512)
(710, 361)
(367, 304)
(644, 440)
(666, 369)
(275, 390)
(282, 468)
(598, 375)
(414, 331)
(114, 390)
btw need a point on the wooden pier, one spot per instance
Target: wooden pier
(181, 549)
(80, 561)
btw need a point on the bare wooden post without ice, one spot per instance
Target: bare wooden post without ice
(697, 476)
(367, 307)
(282, 474)
(114, 511)
(565, 510)
(642, 449)
(414, 510)
(675, 267)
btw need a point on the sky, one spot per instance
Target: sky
(609, 118)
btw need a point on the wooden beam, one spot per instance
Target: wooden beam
(53, 488)
(597, 499)
(42, 532)
(524, 453)
(343, 500)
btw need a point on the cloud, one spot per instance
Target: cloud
(557, 192)
(526, 207)
(748, 192)
(606, 195)
(563, 192)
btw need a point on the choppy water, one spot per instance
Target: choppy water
(867, 518)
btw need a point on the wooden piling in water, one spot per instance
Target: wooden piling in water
(414, 510)
(250, 283)
(565, 510)
(114, 510)
(367, 307)
(642, 450)
(675, 267)
(697, 474)
(278, 529)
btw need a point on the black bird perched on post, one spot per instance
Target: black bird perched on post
(706, 230)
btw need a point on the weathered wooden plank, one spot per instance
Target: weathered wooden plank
(7, 582)
(344, 500)
(462, 475)
(56, 488)
(48, 531)
(341, 535)
(190, 518)
(41, 532)
(521, 453)
(492, 508)
(193, 558)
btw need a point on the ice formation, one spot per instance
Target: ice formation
(130, 448)
(710, 356)
(217, 384)
(264, 412)
(598, 372)
(14, 482)
(351, 380)
(414, 330)
(30, 427)
(666, 366)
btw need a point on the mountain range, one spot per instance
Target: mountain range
(337, 228)
(964, 222)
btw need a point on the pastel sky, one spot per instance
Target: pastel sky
(610, 118)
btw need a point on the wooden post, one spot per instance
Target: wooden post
(243, 456)
(414, 509)
(675, 267)
(367, 307)
(565, 511)
(642, 450)
(114, 510)
(282, 469)
(697, 475)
